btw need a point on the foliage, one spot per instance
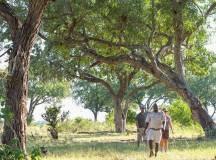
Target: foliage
(94, 97)
(11, 153)
(180, 112)
(131, 116)
(78, 125)
(36, 154)
(204, 88)
(53, 117)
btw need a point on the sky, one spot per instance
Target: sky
(76, 110)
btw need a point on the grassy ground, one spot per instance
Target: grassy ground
(111, 146)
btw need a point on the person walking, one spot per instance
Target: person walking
(140, 124)
(165, 132)
(155, 121)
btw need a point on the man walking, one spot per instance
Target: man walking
(155, 122)
(140, 123)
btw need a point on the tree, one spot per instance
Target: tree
(156, 47)
(94, 97)
(120, 81)
(23, 33)
(163, 38)
(45, 92)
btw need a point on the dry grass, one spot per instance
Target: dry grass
(112, 146)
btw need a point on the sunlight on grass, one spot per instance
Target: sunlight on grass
(184, 145)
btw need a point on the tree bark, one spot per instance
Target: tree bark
(17, 80)
(178, 36)
(118, 115)
(30, 111)
(198, 112)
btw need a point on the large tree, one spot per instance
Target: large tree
(163, 38)
(23, 33)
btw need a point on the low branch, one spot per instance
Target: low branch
(140, 88)
(90, 78)
(165, 47)
(10, 17)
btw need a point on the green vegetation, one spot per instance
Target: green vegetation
(180, 113)
(186, 143)
(53, 117)
(116, 54)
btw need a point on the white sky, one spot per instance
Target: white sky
(75, 111)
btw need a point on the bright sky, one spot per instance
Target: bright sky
(76, 110)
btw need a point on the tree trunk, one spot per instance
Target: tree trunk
(198, 112)
(118, 118)
(95, 116)
(17, 80)
(124, 115)
(30, 111)
(16, 96)
(175, 83)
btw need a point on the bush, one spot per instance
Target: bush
(131, 116)
(36, 154)
(53, 117)
(9, 153)
(83, 125)
(181, 113)
(12, 153)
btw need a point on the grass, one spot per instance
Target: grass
(187, 143)
(184, 145)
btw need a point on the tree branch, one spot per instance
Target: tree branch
(137, 89)
(91, 78)
(165, 47)
(10, 17)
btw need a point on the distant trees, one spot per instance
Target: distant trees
(93, 96)
(45, 92)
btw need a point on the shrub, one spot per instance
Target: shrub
(83, 125)
(53, 117)
(36, 154)
(10, 153)
(180, 112)
(131, 116)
